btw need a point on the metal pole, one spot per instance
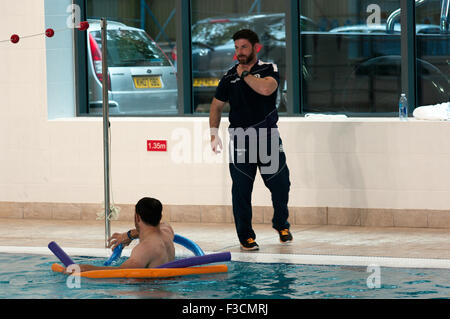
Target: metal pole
(106, 124)
(445, 16)
(293, 59)
(408, 52)
(184, 64)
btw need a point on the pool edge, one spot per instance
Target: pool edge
(258, 257)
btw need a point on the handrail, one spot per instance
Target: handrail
(105, 129)
(394, 16)
(445, 16)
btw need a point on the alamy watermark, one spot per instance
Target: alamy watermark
(251, 145)
(374, 279)
(375, 14)
(74, 19)
(74, 279)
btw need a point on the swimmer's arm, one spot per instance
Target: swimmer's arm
(121, 238)
(138, 259)
(84, 267)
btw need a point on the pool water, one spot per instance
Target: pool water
(30, 276)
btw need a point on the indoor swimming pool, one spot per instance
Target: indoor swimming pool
(28, 276)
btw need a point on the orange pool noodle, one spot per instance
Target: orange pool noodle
(147, 272)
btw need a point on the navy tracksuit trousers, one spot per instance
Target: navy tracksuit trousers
(271, 161)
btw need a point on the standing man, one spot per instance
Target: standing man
(251, 89)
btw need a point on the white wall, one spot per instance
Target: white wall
(24, 138)
(359, 163)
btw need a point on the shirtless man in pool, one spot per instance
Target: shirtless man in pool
(155, 239)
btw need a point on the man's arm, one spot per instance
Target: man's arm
(215, 114)
(138, 259)
(264, 86)
(121, 238)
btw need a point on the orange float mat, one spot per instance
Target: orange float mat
(147, 272)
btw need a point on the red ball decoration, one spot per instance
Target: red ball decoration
(49, 32)
(15, 38)
(84, 25)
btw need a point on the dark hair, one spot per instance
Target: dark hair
(251, 36)
(149, 210)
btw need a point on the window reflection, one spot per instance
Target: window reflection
(141, 77)
(351, 64)
(433, 53)
(354, 65)
(213, 24)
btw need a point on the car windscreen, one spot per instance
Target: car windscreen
(216, 33)
(131, 48)
(276, 29)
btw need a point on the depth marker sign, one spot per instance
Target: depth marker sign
(156, 145)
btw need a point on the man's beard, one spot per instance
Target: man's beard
(246, 60)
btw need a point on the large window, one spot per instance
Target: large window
(340, 56)
(351, 64)
(141, 76)
(213, 24)
(433, 52)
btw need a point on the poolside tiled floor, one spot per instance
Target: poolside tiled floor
(420, 243)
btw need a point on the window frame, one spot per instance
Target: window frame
(294, 107)
(80, 63)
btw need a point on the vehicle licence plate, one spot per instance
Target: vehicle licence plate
(199, 82)
(147, 82)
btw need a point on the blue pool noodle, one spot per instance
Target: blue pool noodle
(115, 255)
(183, 241)
(197, 260)
(189, 244)
(65, 259)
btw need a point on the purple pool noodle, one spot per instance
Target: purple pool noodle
(197, 260)
(66, 260)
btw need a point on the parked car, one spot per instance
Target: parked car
(364, 74)
(382, 28)
(141, 78)
(213, 51)
(356, 69)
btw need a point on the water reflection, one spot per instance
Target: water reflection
(30, 277)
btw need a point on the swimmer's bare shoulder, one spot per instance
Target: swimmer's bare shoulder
(168, 235)
(153, 251)
(167, 230)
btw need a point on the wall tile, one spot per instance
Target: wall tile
(11, 210)
(344, 216)
(410, 218)
(38, 210)
(377, 218)
(309, 215)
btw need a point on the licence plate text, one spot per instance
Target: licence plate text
(147, 82)
(199, 82)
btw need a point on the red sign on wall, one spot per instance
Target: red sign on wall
(156, 146)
